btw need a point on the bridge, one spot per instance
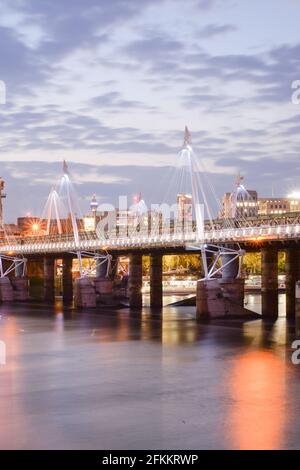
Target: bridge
(220, 242)
(271, 229)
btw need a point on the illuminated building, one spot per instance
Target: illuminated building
(94, 204)
(89, 223)
(240, 203)
(275, 205)
(185, 208)
(2, 196)
(294, 199)
(29, 225)
(246, 206)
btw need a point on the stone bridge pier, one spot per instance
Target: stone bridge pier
(269, 268)
(269, 281)
(223, 296)
(20, 284)
(292, 270)
(67, 279)
(49, 273)
(104, 281)
(156, 280)
(136, 280)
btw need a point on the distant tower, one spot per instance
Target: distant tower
(94, 206)
(2, 196)
(187, 136)
(65, 168)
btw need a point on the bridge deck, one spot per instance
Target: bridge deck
(66, 243)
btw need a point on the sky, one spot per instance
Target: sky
(110, 85)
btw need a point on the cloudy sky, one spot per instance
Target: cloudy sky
(110, 84)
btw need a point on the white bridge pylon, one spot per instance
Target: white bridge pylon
(52, 209)
(215, 253)
(61, 205)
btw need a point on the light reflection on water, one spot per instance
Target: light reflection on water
(142, 379)
(257, 386)
(252, 301)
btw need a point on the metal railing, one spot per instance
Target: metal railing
(90, 241)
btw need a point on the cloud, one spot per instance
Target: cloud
(154, 47)
(212, 30)
(114, 82)
(114, 100)
(21, 68)
(68, 24)
(205, 4)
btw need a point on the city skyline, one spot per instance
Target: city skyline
(110, 87)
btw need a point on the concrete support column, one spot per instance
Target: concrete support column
(233, 289)
(135, 281)
(209, 300)
(292, 269)
(101, 268)
(49, 289)
(103, 285)
(230, 270)
(19, 270)
(269, 281)
(85, 294)
(209, 260)
(67, 280)
(114, 267)
(20, 284)
(35, 274)
(156, 289)
(6, 290)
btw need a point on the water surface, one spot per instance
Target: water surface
(115, 379)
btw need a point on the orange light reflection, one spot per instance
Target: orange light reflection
(258, 390)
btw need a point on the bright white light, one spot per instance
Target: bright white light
(294, 195)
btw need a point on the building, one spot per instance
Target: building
(294, 199)
(11, 230)
(240, 203)
(276, 205)
(185, 208)
(273, 205)
(30, 225)
(239, 206)
(244, 202)
(2, 196)
(89, 223)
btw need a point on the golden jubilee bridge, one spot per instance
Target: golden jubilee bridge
(251, 232)
(221, 244)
